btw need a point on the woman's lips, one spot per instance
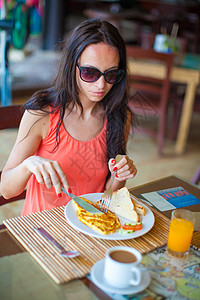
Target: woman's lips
(98, 94)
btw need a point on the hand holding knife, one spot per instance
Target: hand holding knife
(90, 208)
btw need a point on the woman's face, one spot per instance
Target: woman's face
(100, 56)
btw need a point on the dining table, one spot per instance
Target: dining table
(32, 268)
(186, 71)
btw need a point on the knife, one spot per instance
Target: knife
(90, 208)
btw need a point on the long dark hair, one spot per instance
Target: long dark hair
(65, 92)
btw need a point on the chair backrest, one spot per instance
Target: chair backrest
(149, 91)
(10, 117)
(147, 40)
(147, 83)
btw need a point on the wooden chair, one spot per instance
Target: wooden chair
(10, 117)
(177, 105)
(148, 95)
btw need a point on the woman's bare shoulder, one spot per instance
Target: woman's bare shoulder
(35, 122)
(36, 114)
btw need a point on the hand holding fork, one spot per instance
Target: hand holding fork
(107, 196)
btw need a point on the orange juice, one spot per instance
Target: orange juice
(180, 235)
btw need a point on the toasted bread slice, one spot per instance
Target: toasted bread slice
(138, 207)
(122, 205)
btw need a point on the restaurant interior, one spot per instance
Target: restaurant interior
(33, 67)
(165, 140)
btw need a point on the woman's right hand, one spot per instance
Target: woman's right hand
(47, 172)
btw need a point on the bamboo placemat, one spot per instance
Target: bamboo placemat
(196, 240)
(62, 269)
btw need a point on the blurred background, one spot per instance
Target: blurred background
(31, 35)
(31, 25)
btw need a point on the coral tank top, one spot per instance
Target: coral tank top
(84, 163)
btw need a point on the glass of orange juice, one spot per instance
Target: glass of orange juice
(180, 233)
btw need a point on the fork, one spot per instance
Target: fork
(107, 196)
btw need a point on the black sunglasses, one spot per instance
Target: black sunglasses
(90, 74)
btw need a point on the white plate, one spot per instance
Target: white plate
(70, 214)
(98, 279)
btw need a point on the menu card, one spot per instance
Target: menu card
(168, 199)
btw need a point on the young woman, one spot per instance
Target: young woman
(71, 133)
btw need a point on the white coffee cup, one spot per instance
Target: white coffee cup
(121, 267)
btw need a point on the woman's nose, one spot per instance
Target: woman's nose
(101, 82)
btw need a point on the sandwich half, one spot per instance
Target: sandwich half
(138, 207)
(123, 206)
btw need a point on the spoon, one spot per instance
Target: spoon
(64, 253)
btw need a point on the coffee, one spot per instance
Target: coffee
(121, 267)
(123, 256)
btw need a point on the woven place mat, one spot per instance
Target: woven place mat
(196, 240)
(62, 269)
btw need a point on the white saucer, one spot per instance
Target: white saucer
(97, 278)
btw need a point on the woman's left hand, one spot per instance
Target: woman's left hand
(125, 168)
